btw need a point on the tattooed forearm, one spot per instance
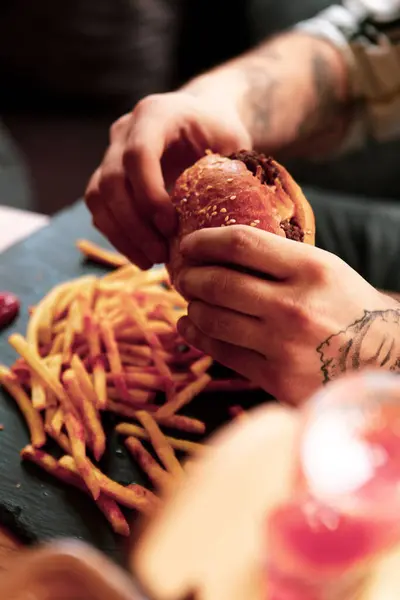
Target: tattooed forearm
(286, 91)
(296, 105)
(371, 341)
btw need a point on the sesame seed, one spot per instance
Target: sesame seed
(230, 180)
(232, 198)
(214, 207)
(253, 224)
(223, 210)
(214, 214)
(184, 200)
(232, 221)
(256, 221)
(209, 187)
(227, 218)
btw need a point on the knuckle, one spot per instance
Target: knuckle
(146, 104)
(110, 180)
(320, 265)
(239, 240)
(295, 311)
(118, 126)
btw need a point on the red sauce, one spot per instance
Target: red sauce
(9, 308)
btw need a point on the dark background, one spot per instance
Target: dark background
(67, 70)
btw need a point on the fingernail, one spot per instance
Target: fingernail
(165, 223)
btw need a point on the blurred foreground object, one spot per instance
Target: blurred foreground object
(246, 524)
(340, 453)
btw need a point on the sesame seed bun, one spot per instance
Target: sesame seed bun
(247, 189)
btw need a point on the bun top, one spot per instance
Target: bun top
(246, 188)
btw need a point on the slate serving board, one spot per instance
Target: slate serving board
(33, 504)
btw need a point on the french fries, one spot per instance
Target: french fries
(110, 344)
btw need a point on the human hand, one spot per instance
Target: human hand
(149, 147)
(284, 314)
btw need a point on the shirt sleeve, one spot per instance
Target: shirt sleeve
(367, 32)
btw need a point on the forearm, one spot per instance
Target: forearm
(291, 92)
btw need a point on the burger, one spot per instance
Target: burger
(245, 188)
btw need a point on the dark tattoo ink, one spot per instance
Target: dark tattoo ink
(327, 103)
(259, 99)
(372, 341)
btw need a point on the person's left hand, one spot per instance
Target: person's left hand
(284, 314)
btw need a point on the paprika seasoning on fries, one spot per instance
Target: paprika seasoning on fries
(109, 344)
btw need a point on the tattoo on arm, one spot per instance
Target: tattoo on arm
(262, 82)
(327, 103)
(372, 341)
(293, 113)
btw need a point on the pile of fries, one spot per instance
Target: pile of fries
(109, 344)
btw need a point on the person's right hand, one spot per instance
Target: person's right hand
(149, 147)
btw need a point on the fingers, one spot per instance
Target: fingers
(104, 221)
(227, 326)
(114, 212)
(145, 147)
(250, 248)
(248, 363)
(221, 286)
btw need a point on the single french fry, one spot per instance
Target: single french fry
(57, 421)
(38, 393)
(134, 397)
(158, 476)
(161, 445)
(54, 364)
(99, 375)
(40, 368)
(39, 325)
(145, 381)
(201, 365)
(134, 349)
(76, 436)
(114, 359)
(137, 498)
(126, 330)
(32, 417)
(59, 326)
(72, 477)
(130, 360)
(129, 411)
(84, 380)
(181, 423)
(122, 273)
(183, 397)
(98, 254)
(59, 437)
(89, 413)
(57, 344)
(69, 332)
(129, 429)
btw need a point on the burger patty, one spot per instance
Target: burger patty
(269, 173)
(253, 160)
(292, 230)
